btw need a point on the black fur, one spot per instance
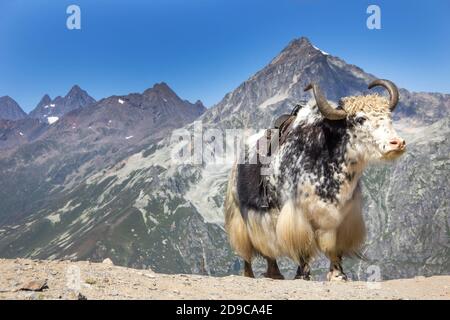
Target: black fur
(250, 189)
(321, 146)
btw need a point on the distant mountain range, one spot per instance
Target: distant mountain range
(16, 127)
(99, 183)
(47, 110)
(50, 110)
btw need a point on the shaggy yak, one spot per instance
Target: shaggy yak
(311, 201)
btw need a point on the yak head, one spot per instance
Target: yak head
(369, 121)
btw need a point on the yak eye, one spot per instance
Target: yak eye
(360, 119)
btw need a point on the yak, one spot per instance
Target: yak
(311, 200)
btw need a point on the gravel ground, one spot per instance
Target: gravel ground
(35, 279)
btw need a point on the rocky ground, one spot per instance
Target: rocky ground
(35, 279)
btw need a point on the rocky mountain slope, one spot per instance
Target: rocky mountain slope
(126, 199)
(10, 109)
(15, 133)
(43, 280)
(83, 142)
(49, 110)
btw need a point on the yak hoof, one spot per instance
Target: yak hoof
(305, 277)
(248, 271)
(337, 276)
(248, 274)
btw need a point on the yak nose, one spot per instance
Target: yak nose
(397, 144)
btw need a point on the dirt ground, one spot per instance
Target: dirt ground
(33, 279)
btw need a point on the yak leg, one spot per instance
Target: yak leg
(248, 271)
(326, 240)
(303, 270)
(336, 272)
(272, 270)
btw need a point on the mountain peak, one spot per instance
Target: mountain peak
(10, 109)
(45, 100)
(161, 85)
(74, 99)
(199, 103)
(75, 90)
(5, 99)
(161, 89)
(300, 42)
(300, 48)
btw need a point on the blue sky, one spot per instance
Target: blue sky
(206, 48)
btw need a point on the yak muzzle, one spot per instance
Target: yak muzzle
(394, 149)
(397, 144)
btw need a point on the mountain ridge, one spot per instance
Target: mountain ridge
(48, 109)
(10, 109)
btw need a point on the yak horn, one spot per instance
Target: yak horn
(389, 86)
(325, 108)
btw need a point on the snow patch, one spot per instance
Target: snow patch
(275, 99)
(129, 137)
(236, 109)
(54, 218)
(213, 180)
(121, 101)
(69, 207)
(135, 162)
(295, 79)
(28, 224)
(323, 52)
(141, 204)
(52, 120)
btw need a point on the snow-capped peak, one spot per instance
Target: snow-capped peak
(323, 52)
